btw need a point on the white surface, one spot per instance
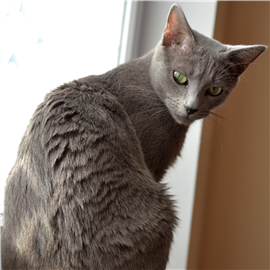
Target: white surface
(182, 181)
(129, 26)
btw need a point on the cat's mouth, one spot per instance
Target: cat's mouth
(181, 115)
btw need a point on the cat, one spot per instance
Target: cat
(85, 191)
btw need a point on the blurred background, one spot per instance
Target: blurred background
(221, 181)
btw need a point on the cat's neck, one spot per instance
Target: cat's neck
(160, 136)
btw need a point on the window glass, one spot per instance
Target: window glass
(44, 44)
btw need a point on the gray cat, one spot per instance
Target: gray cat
(85, 190)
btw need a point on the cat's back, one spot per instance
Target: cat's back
(80, 194)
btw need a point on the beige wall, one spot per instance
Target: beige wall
(230, 228)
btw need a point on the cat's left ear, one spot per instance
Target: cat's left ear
(177, 29)
(242, 56)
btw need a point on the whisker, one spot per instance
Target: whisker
(218, 124)
(210, 122)
(221, 117)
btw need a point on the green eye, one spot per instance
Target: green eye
(214, 91)
(179, 77)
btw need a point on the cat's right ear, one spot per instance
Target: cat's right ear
(177, 30)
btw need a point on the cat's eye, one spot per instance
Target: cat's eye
(179, 77)
(214, 91)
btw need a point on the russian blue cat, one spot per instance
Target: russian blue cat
(85, 191)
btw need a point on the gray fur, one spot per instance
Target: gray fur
(85, 190)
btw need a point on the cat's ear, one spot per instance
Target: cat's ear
(177, 29)
(242, 56)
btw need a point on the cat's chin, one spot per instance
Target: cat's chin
(185, 122)
(182, 120)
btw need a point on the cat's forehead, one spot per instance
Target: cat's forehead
(199, 61)
(205, 57)
(209, 44)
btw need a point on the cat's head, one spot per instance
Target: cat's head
(192, 73)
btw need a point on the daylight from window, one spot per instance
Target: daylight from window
(43, 45)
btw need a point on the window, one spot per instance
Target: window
(45, 44)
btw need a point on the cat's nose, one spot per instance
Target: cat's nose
(191, 111)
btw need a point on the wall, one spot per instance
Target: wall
(230, 228)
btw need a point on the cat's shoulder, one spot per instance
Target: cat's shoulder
(81, 95)
(82, 102)
(80, 115)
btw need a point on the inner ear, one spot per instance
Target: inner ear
(177, 29)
